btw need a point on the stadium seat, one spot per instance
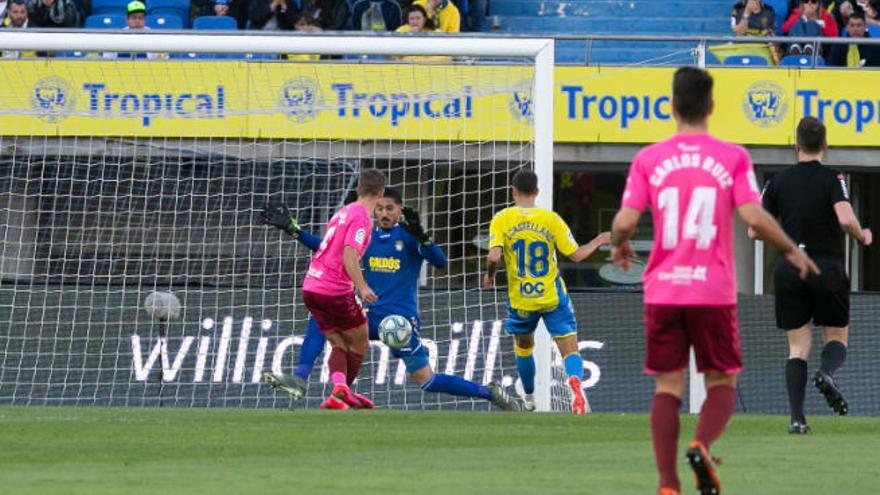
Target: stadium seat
(781, 9)
(105, 21)
(165, 21)
(874, 30)
(750, 60)
(215, 22)
(801, 61)
(101, 7)
(179, 8)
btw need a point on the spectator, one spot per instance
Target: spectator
(842, 10)
(306, 23)
(221, 8)
(415, 20)
(809, 20)
(477, 14)
(853, 55)
(331, 15)
(3, 6)
(136, 15)
(272, 15)
(16, 17)
(53, 13)
(754, 18)
(443, 13)
(375, 15)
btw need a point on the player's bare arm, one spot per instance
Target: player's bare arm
(766, 228)
(622, 229)
(846, 217)
(493, 260)
(352, 263)
(585, 251)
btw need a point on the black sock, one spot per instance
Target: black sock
(796, 381)
(833, 356)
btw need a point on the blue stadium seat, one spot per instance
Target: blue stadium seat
(100, 7)
(165, 21)
(179, 8)
(874, 30)
(215, 22)
(105, 21)
(747, 60)
(801, 61)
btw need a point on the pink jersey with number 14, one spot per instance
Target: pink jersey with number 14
(693, 183)
(350, 226)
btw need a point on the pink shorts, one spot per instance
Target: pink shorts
(335, 313)
(713, 331)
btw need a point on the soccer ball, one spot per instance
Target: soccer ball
(395, 331)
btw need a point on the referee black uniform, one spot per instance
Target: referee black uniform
(803, 198)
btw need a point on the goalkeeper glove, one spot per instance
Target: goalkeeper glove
(279, 216)
(413, 224)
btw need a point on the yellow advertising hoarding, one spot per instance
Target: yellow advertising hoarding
(232, 99)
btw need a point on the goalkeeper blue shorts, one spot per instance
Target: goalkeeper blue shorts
(414, 354)
(560, 321)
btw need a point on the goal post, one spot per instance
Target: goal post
(112, 195)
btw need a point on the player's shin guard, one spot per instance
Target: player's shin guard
(833, 356)
(354, 361)
(574, 365)
(796, 383)
(338, 364)
(525, 365)
(454, 385)
(665, 426)
(715, 414)
(311, 348)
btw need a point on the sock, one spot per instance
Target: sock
(665, 427)
(338, 364)
(311, 348)
(454, 385)
(574, 365)
(796, 382)
(833, 356)
(354, 365)
(525, 365)
(715, 413)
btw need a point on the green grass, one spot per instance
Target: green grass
(217, 451)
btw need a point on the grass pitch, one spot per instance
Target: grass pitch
(218, 451)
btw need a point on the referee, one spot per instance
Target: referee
(812, 204)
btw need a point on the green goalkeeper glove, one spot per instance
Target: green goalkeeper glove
(413, 224)
(279, 216)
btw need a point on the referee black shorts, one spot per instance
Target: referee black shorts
(824, 299)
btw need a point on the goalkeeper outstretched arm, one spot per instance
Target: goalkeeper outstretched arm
(279, 216)
(430, 251)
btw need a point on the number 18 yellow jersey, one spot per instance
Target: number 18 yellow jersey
(529, 238)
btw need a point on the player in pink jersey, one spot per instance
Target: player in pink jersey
(328, 290)
(693, 183)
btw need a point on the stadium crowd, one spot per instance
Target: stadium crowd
(812, 18)
(449, 16)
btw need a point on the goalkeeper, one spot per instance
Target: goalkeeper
(393, 261)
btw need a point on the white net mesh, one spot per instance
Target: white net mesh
(121, 178)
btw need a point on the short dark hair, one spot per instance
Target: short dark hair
(417, 8)
(371, 182)
(526, 182)
(394, 194)
(857, 14)
(18, 2)
(692, 94)
(811, 135)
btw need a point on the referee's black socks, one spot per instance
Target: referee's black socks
(833, 356)
(796, 381)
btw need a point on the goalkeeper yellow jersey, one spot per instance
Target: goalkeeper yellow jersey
(529, 238)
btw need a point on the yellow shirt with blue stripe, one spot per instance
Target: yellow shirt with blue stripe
(529, 238)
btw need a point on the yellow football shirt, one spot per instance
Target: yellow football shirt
(529, 238)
